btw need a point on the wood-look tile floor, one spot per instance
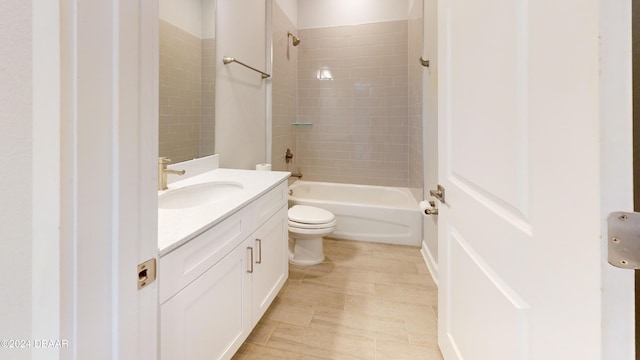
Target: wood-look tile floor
(366, 301)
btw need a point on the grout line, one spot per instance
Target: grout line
(272, 331)
(406, 328)
(375, 348)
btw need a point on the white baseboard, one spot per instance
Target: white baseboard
(432, 265)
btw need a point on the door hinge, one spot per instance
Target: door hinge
(624, 239)
(146, 273)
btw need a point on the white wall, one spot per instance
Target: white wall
(185, 14)
(29, 187)
(241, 92)
(208, 19)
(16, 154)
(327, 13)
(290, 8)
(197, 17)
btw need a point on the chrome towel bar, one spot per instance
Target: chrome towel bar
(228, 59)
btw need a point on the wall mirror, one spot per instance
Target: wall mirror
(187, 78)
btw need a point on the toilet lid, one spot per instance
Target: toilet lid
(310, 215)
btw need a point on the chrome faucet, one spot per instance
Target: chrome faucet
(163, 171)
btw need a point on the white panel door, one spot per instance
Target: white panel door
(520, 248)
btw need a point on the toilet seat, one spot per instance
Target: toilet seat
(302, 231)
(299, 225)
(302, 214)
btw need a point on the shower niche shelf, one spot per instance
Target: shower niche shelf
(301, 124)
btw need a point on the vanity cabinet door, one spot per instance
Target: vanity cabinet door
(271, 264)
(211, 317)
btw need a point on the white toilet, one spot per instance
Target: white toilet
(307, 226)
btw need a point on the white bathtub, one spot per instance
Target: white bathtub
(368, 213)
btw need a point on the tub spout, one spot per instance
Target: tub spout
(297, 174)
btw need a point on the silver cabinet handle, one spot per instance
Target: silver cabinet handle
(259, 251)
(250, 262)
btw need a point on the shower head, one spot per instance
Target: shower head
(296, 41)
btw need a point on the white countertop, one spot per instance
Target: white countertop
(177, 226)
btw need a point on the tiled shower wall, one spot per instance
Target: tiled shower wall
(285, 76)
(416, 21)
(186, 75)
(353, 87)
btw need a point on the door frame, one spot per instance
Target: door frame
(429, 248)
(616, 193)
(108, 138)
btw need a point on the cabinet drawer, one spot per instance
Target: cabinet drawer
(269, 203)
(185, 264)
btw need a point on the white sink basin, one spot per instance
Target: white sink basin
(198, 194)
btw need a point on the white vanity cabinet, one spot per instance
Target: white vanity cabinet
(215, 288)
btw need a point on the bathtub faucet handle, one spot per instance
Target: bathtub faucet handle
(288, 156)
(290, 192)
